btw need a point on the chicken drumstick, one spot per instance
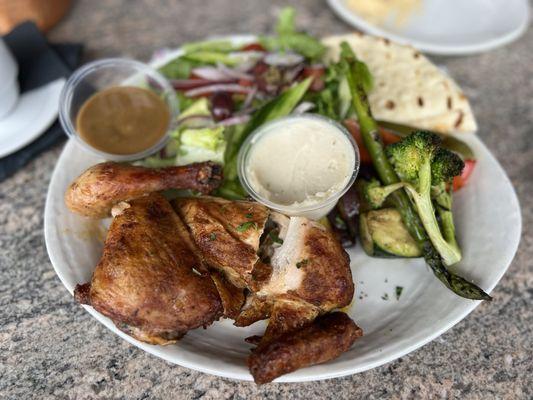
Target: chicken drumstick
(99, 188)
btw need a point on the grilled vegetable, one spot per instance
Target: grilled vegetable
(420, 164)
(343, 218)
(357, 81)
(383, 234)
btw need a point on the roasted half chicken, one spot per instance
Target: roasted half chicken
(102, 186)
(149, 280)
(167, 269)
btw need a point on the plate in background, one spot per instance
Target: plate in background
(33, 114)
(448, 27)
(488, 225)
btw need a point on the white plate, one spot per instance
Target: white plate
(450, 27)
(33, 114)
(488, 224)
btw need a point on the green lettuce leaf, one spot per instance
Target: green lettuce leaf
(203, 144)
(221, 46)
(198, 107)
(288, 39)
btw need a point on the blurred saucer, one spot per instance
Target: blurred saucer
(32, 115)
(445, 27)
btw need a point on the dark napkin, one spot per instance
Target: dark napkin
(39, 63)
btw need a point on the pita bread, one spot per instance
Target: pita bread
(408, 88)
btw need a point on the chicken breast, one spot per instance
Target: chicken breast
(310, 267)
(310, 264)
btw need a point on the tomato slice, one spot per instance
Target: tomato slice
(364, 155)
(318, 74)
(353, 128)
(253, 47)
(461, 180)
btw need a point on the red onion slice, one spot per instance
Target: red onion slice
(234, 73)
(187, 84)
(283, 59)
(211, 74)
(236, 120)
(228, 87)
(249, 98)
(303, 107)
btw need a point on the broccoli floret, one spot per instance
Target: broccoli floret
(421, 164)
(375, 194)
(371, 196)
(445, 165)
(412, 155)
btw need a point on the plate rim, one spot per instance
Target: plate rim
(157, 350)
(356, 21)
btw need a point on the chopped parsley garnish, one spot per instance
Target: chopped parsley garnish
(302, 263)
(399, 290)
(249, 215)
(275, 238)
(385, 297)
(213, 236)
(245, 226)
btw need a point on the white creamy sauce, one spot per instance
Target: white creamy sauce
(301, 161)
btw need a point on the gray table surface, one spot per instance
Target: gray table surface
(51, 348)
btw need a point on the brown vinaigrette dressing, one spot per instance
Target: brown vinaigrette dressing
(123, 120)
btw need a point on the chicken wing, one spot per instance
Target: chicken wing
(226, 232)
(324, 339)
(148, 280)
(98, 189)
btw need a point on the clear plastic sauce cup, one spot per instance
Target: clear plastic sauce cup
(320, 203)
(103, 74)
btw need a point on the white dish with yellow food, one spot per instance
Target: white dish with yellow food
(444, 27)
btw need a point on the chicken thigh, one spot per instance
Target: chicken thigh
(149, 279)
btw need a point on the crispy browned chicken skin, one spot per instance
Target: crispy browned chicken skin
(226, 232)
(147, 280)
(326, 338)
(99, 188)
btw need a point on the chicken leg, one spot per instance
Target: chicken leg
(99, 188)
